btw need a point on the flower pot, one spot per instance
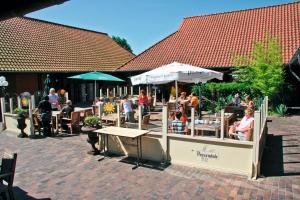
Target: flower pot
(92, 137)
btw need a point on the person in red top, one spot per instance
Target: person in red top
(143, 101)
(183, 117)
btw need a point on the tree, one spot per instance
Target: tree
(122, 42)
(265, 71)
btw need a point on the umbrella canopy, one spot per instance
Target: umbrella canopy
(96, 76)
(176, 72)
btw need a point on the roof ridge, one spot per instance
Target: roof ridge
(264, 7)
(64, 25)
(146, 50)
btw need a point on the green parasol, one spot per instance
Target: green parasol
(96, 76)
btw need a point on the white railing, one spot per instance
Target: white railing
(259, 136)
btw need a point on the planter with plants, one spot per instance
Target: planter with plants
(92, 123)
(21, 116)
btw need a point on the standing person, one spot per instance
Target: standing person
(45, 110)
(127, 107)
(143, 101)
(53, 99)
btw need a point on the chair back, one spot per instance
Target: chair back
(8, 165)
(146, 119)
(75, 118)
(36, 121)
(171, 106)
(88, 112)
(95, 110)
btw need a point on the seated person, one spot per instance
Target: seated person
(236, 100)
(248, 102)
(183, 117)
(194, 100)
(242, 129)
(65, 115)
(97, 100)
(177, 125)
(67, 109)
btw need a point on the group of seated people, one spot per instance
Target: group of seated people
(191, 100)
(241, 130)
(49, 104)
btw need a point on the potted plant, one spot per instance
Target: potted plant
(92, 123)
(22, 114)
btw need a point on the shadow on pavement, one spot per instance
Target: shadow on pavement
(273, 157)
(22, 195)
(146, 163)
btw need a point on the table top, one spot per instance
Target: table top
(212, 116)
(54, 113)
(119, 131)
(82, 109)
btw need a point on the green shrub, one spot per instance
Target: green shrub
(281, 110)
(21, 112)
(92, 121)
(221, 94)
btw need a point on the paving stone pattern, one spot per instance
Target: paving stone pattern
(60, 168)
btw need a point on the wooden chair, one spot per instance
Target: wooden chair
(74, 122)
(7, 173)
(37, 124)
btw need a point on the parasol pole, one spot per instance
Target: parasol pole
(95, 90)
(176, 87)
(200, 101)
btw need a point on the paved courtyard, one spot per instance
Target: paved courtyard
(59, 168)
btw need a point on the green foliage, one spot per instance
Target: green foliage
(217, 95)
(20, 112)
(281, 110)
(227, 90)
(92, 121)
(265, 71)
(122, 42)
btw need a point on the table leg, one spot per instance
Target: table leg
(137, 153)
(141, 149)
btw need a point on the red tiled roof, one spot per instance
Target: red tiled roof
(211, 40)
(30, 45)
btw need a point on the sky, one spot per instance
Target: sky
(141, 22)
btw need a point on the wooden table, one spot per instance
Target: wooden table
(55, 117)
(123, 132)
(228, 117)
(207, 127)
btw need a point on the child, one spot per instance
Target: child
(177, 125)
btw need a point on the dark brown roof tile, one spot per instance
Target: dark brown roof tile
(32, 45)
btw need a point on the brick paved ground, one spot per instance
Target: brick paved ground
(59, 168)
